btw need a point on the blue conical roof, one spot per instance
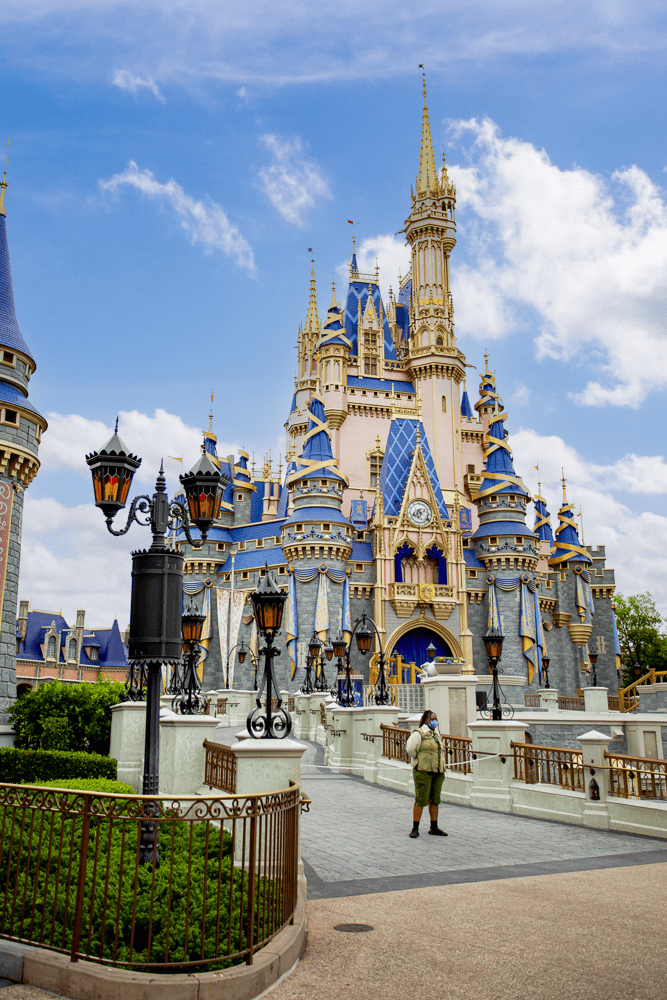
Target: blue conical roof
(499, 474)
(10, 335)
(542, 527)
(568, 548)
(317, 459)
(466, 408)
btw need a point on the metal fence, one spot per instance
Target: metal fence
(458, 750)
(571, 704)
(637, 777)
(74, 879)
(531, 700)
(220, 767)
(548, 765)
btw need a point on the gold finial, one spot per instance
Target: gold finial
(563, 481)
(428, 176)
(581, 518)
(3, 182)
(210, 416)
(486, 360)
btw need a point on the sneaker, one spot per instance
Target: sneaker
(437, 832)
(413, 833)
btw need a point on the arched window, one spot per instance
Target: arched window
(444, 404)
(439, 341)
(71, 650)
(51, 648)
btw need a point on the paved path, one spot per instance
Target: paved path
(355, 840)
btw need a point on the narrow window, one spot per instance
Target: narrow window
(239, 498)
(92, 656)
(51, 648)
(11, 417)
(71, 653)
(444, 403)
(471, 470)
(8, 357)
(375, 466)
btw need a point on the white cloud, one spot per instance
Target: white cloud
(587, 256)
(293, 182)
(521, 394)
(391, 255)
(69, 560)
(241, 92)
(125, 80)
(207, 224)
(636, 543)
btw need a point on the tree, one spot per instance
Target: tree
(641, 637)
(78, 716)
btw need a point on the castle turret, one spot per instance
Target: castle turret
(21, 428)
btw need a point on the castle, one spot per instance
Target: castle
(400, 499)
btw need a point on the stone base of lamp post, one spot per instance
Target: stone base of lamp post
(452, 698)
(128, 733)
(595, 699)
(549, 699)
(182, 754)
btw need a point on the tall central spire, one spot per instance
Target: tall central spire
(312, 317)
(427, 179)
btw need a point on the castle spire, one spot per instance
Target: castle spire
(10, 335)
(312, 318)
(542, 526)
(567, 547)
(427, 178)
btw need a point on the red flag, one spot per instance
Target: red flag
(351, 222)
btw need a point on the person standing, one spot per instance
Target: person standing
(427, 752)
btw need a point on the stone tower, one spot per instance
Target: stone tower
(21, 428)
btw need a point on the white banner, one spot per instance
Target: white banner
(223, 619)
(237, 611)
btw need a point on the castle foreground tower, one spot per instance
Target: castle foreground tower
(21, 428)
(400, 498)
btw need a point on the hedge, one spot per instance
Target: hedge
(91, 785)
(32, 767)
(82, 711)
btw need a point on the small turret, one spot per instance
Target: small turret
(567, 550)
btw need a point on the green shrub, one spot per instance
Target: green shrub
(90, 785)
(86, 707)
(32, 767)
(55, 735)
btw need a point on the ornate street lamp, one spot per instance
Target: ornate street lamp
(545, 667)
(431, 651)
(157, 584)
(242, 653)
(493, 640)
(363, 633)
(307, 686)
(268, 601)
(188, 701)
(593, 657)
(346, 697)
(321, 681)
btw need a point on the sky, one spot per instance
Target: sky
(171, 163)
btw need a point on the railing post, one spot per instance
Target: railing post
(250, 935)
(81, 880)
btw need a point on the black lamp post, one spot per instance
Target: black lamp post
(242, 653)
(493, 640)
(363, 633)
(268, 601)
(545, 667)
(346, 697)
(593, 657)
(157, 581)
(188, 700)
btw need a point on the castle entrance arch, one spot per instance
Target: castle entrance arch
(409, 644)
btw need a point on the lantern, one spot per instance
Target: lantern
(339, 648)
(364, 639)
(328, 651)
(268, 601)
(431, 650)
(493, 640)
(192, 625)
(112, 469)
(314, 647)
(203, 486)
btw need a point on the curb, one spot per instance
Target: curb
(51, 971)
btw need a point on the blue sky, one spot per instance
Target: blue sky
(171, 163)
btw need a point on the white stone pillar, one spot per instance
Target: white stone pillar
(452, 698)
(341, 740)
(367, 751)
(549, 699)
(301, 716)
(594, 745)
(492, 775)
(595, 700)
(182, 752)
(267, 765)
(128, 735)
(239, 704)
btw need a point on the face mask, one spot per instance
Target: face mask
(433, 724)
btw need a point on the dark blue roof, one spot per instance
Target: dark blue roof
(375, 384)
(362, 552)
(308, 514)
(10, 394)
(466, 408)
(10, 335)
(471, 559)
(255, 559)
(542, 526)
(264, 529)
(357, 294)
(404, 304)
(566, 535)
(112, 651)
(317, 449)
(283, 502)
(257, 500)
(504, 528)
(397, 461)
